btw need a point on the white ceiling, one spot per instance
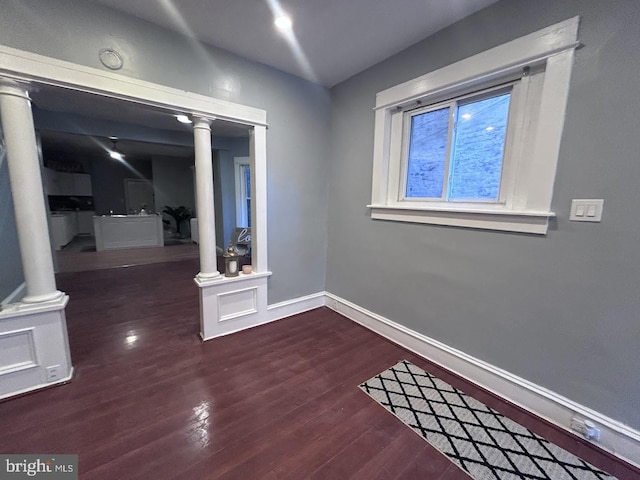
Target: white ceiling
(121, 113)
(338, 38)
(62, 100)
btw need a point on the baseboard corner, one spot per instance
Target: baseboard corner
(617, 439)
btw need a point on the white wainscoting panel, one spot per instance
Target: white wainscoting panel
(617, 438)
(228, 305)
(33, 337)
(18, 351)
(237, 303)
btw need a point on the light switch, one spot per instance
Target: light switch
(586, 210)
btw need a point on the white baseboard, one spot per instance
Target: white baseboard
(40, 386)
(616, 438)
(295, 306)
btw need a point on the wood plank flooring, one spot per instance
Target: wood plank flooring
(74, 261)
(280, 401)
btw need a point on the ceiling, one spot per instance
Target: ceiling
(337, 38)
(82, 146)
(63, 100)
(117, 112)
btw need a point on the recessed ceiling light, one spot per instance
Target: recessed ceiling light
(283, 23)
(183, 119)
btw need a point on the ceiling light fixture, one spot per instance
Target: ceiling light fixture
(283, 23)
(114, 152)
(183, 119)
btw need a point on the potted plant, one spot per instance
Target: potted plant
(179, 215)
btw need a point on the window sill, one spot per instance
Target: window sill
(523, 221)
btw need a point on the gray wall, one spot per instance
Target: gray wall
(560, 310)
(107, 182)
(297, 150)
(173, 185)
(11, 275)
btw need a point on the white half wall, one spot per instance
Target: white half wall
(34, 347)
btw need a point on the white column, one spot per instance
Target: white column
(204, 200)
(28, 194)
(258, 149)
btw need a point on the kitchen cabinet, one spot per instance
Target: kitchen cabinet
(64, 227)
(67, 184)
(58, 183)
(82, 185)
(85, 222)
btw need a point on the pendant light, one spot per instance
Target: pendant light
(115, 153)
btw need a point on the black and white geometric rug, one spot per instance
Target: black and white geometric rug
(481, 441)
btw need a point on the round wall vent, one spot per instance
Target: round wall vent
(110, 59)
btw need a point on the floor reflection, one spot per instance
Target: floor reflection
(199, 423)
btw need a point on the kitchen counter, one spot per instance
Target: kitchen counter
(115, 232)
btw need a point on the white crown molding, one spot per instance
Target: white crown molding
(616, 438)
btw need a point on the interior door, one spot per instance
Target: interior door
(138, 195)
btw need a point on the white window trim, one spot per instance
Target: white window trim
(241, 194)
(530, 185)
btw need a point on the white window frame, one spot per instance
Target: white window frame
(452, 105)
(242, 213)
(540, 66)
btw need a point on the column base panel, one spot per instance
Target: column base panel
(232, 304)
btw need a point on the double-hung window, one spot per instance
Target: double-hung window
(475, 144)
(454, 151)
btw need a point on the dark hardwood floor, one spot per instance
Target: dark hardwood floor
(150, 401)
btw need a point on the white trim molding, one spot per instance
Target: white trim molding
(245, 318)
(616, 438)
(538, 68)
(31, 67)
(296, 306)
(242, 213)
(522, 221)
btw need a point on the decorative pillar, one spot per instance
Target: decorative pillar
(258, 149)
(204, 200)
(28, 193)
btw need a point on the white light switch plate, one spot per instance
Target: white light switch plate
(586, 210)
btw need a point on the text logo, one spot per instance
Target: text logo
(50, 467)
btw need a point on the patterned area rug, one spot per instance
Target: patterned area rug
(481, 441)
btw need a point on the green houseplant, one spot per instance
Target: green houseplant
(179, 215)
